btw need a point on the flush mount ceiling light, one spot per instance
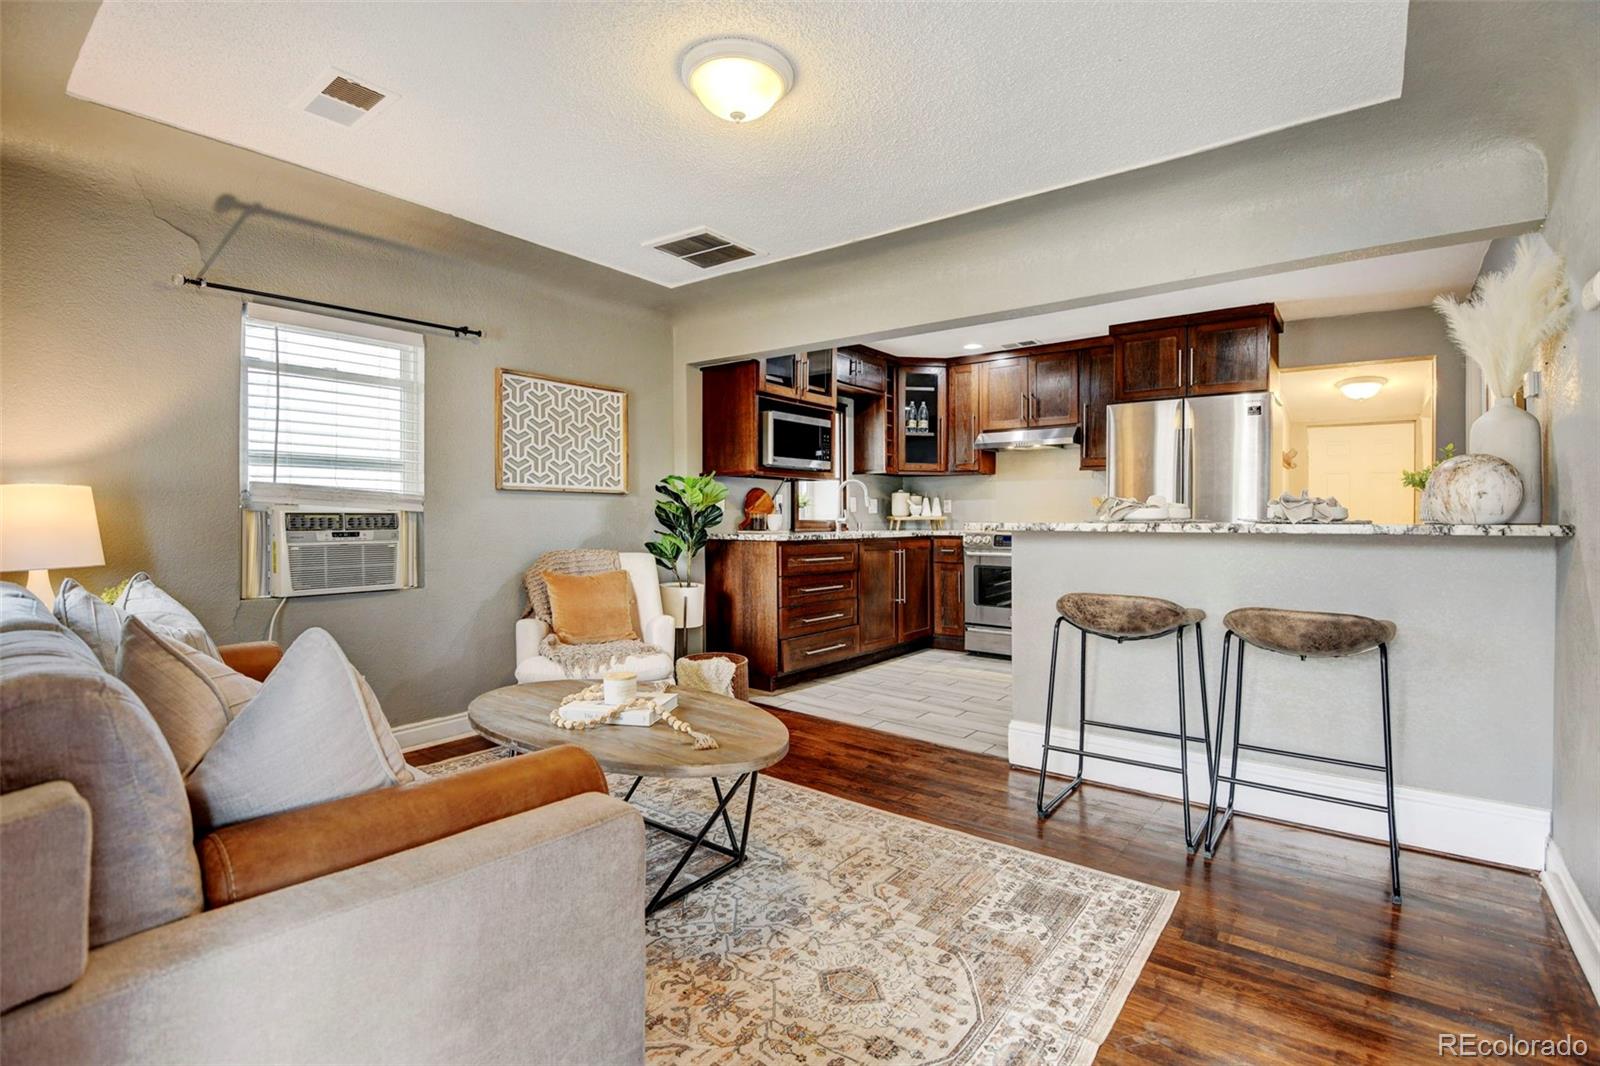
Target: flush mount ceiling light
(737, 79)
(1363, 388)
(971, 347)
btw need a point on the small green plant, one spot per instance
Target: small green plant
(688, 510)
(1418, 479)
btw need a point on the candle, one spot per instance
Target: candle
(620, 686)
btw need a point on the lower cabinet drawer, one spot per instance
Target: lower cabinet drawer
(800, 653)
(807, 618)
(816, 557)
(816, 588)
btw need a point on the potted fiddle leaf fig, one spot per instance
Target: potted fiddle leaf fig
(689, 508)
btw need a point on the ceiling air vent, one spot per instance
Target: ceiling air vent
(1020, 344)
(704, 249)
(344, 100)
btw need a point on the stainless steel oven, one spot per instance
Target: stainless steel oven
(791, 441)
(988, 591)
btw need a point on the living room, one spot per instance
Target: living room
(303, 297)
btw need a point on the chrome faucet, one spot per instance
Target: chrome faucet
(845, 519)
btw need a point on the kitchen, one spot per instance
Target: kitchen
(853, 607)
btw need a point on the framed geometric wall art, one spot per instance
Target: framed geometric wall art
(553, 435)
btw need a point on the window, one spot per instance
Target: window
(331, 409)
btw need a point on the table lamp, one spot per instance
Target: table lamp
(44, 526)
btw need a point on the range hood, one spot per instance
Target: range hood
(1023, 439)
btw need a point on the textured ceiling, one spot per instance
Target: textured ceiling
(1380, 283)
(565, 124)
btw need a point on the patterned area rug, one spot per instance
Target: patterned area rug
(854, 936)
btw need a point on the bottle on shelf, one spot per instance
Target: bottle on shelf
(922, 417)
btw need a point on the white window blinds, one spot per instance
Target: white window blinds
(332, 409)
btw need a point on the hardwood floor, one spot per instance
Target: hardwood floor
(1282, 950)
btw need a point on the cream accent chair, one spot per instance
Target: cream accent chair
(655, 627)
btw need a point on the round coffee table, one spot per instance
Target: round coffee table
(749, 740)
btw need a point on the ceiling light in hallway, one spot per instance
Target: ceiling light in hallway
(1362, 388)
(737, 79)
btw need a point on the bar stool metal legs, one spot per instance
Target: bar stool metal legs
(1219, 826)
(1192, 837)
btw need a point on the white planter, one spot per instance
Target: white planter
(1511, 433)
(685, 605)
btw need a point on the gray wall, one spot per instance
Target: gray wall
(1570, 409)
(114, 378)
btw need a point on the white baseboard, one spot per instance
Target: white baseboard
(433, 731)
(1577, 920)
(1487, 830)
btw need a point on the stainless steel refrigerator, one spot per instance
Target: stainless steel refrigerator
(1210, 452)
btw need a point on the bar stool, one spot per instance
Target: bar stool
(1310, 635)
(1125, 618)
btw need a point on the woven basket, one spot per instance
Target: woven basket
(741, 670)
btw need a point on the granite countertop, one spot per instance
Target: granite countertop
(826, 534)
(1330, 529)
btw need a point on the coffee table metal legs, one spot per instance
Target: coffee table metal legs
(734, 850)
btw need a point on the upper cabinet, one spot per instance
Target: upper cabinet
(920, 419)
(964, 458)
(804, 376)
(1055, 389)
(749, 430)
(859, 369)
(1094, 392)
(1218, 352)
(1025, 391)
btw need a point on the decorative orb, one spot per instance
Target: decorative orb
(1472, 490)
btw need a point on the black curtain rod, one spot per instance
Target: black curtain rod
(459, 331)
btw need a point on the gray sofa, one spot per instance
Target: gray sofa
(510, 929)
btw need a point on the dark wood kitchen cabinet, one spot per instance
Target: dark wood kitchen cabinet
(1094, 392)
(896, 605)
(964, 458)
(949, 606)
(807, 377)
(732, 401)
(920, 419)
(1228, 351)
(858, 369)
(794, 607)
(1028, 391)
(1054, 388)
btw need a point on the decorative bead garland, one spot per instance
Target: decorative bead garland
(702, 741)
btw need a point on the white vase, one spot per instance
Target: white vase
(1511, 433)
(685, 604)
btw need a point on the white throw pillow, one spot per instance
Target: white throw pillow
(94, 620)
(314, 733)
(191, 696)
(145, 600)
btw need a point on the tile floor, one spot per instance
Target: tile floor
(944, 697)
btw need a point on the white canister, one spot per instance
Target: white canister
(900, 503)
(619, 686)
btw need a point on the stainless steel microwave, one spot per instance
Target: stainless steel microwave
(791, 441)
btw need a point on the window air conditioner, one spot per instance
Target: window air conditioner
(319, 551)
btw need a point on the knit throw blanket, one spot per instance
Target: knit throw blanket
(586, 661)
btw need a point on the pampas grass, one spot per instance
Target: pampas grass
(1512, 316)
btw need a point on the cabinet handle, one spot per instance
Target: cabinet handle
(821, 559)
(821, 618)
(823, 588)
(1191, 366)
(830, 647)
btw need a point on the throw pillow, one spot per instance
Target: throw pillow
(591, 608)
(191, 696)
(313, 733)
(94, 620)
(146, 600)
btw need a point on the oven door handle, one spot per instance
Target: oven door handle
(988, 555)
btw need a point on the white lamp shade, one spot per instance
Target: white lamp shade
(45, 527)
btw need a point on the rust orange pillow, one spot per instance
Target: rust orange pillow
(591, 608)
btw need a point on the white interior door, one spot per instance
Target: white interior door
(1361, 465)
